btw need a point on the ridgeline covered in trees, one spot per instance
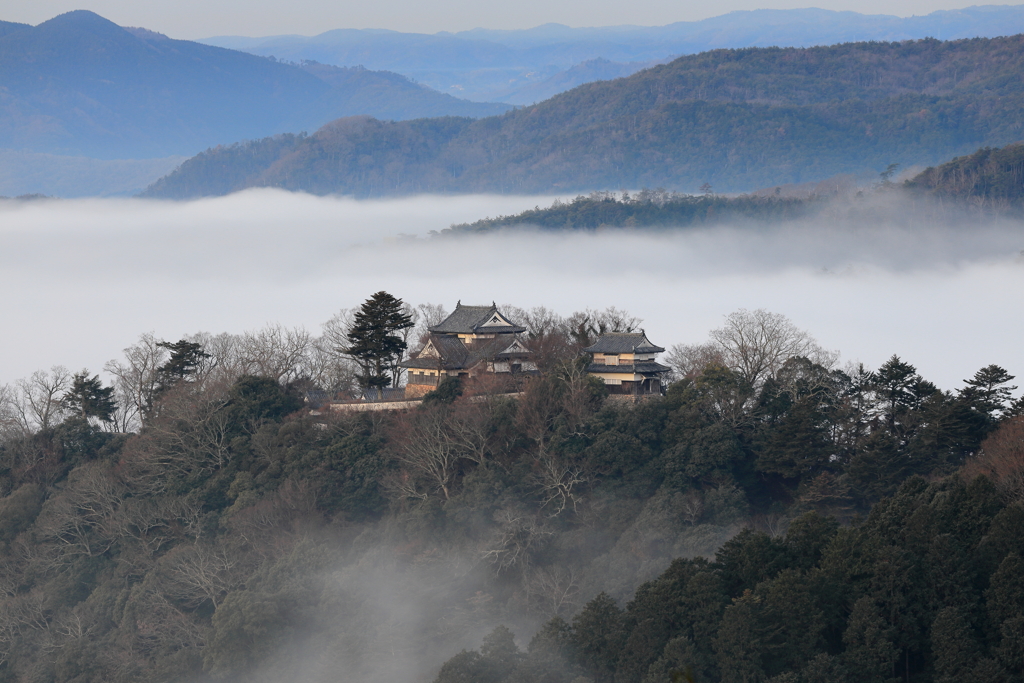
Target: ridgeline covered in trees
(738, 119)
(202, 522)
(990, 180)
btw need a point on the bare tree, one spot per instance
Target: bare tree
(225, 362)
(430, 448)
(553, 591)
(190, 434)
(40, 404)
(578, 402)
(547, 335)
(81, 519)
(559, 482)
(1002, 460)
(693, 507)
(200, 572)
(469, 423)
(756, 343)
(136, 381)
(585, 326)
(516, 538)
(276, 352)
(12, 424)
(154, 521)
(426, 316)
(689, 360)
(336, 369)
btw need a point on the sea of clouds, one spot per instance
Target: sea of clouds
(82, 279)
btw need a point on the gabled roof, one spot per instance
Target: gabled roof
(454, 355)
(623, 342)
(476, 320)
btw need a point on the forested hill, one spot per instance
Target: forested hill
(738, 119)
(81, 85)
(646, 209)
(198, 521)
(989, 178)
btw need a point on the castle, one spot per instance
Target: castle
(476, 340)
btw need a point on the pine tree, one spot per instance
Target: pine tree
(373, 342)
(87, 398)
(989, 391)
(186, 360)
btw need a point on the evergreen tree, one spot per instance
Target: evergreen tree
(895, 384)
(597, 637)
(186, 360)
(87, 398)
(989, 391)
(373, 342)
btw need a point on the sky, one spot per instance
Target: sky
(193, 19)
(83, 279)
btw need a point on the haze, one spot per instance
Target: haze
(84, 278)
(192, 19)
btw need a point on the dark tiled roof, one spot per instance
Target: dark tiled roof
(457, 356)
(472, 320)
(421, 364)
(638, 368)
(623, 342)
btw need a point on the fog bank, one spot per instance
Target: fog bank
(84, 278)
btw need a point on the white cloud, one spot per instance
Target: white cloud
(82, 279)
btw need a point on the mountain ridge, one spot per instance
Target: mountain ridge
(79, 84)
(497, 64)
(738, 119)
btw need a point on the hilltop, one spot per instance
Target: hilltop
(79, 84)
(737, 119)
(198, 521)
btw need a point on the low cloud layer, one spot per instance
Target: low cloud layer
(82, 279)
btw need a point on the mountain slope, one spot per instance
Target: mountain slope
(989, 178)
(592, 70)
(493, 64)
(739, 119)
(79, 84)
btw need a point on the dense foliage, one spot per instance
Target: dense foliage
(927, 588)
(738, 119)
(240, 535)
(989, 178)
(646, 209)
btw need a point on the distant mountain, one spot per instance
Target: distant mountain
(599, 69)
(26, 173)
(81, 85)
(7, 27)
(738, 119)
(388, 95)
(496, 65)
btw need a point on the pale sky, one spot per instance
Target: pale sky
(192, 19)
